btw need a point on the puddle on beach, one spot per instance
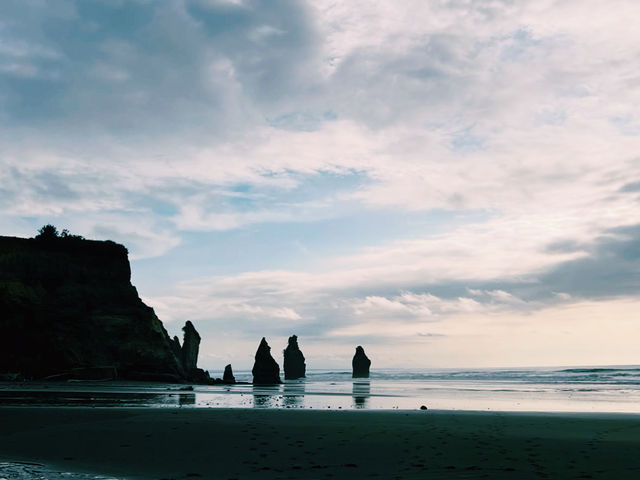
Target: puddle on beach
(36, 471)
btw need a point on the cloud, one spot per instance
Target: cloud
(609, 269)
(630, 187)
(410, 304)
(562, 295)
(501, 136)
(498, 296)
(191, 81)
(344, 298)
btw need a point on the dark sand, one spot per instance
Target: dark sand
(173, 443)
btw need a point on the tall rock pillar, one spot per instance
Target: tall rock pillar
(360, 364)
(294, 366)
(266, 370)
(190, 347)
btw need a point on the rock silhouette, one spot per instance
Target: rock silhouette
(294, 366)
(189, 355)
(227, 376)
(190, 347)
(265, 369)
(67, 303)
(360, 364)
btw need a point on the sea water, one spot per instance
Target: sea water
(585, 389)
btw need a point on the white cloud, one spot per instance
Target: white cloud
(497, 295)
(562, 295)
(262, 32)
(544, 178)
(409, 304)
(522, 112)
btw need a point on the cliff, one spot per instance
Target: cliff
(67, 303)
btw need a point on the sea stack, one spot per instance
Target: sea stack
(189, 355)
(265, 369)
(360, 364)
(190, 347)
(294, 366)
(227, 376)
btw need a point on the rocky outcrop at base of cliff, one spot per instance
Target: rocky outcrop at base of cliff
(67, 304)
(294, 366)
(187, 354)
(266, 370)
(360, 364)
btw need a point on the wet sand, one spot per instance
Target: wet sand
(174, 443)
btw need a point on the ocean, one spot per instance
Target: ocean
(609, 389)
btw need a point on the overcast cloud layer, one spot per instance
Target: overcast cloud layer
(451, 183)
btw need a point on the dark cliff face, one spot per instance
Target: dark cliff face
(68, 303)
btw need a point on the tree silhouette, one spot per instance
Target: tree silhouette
(47, 232)
(50, 232)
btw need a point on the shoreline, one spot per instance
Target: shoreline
(334, 394)
(393, 411)
(140, 443)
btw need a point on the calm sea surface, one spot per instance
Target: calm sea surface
(588, 389)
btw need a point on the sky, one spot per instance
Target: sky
(450, 183)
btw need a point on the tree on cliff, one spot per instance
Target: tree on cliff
(47, 232)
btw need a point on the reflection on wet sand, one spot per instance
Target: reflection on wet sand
(93, 398)
(299, 394)
(293, 392)
(187, 400)
(361, 391)
(266, 396)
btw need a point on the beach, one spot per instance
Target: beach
(179, 443)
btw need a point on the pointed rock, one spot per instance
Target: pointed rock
(265, 369)
(294, 366)
(360, 364)
(227, 376)
(190, 347)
